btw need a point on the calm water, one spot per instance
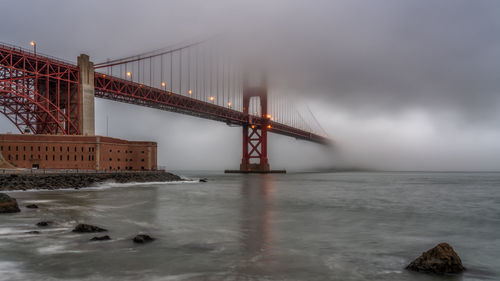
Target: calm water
(313, 226)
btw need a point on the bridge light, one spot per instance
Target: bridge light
(253, 126)
(268, 116)
(190, 92)
(163, 84)
(33, 43)
(229, 104)
(129, 74)
(212, 98)
(269, 126)
(104, 76)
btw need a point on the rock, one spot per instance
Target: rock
(44, 223)
(87, 228)
(143, 238)
(441, 259)
(33, 232)
(32, 206)
(100, 238)
(203, 180)
(8, 204)
(52, 181)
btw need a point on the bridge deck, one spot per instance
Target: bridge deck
(118, 89)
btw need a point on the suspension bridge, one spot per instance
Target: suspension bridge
(47, 95)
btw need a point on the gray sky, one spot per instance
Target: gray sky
(405, 85)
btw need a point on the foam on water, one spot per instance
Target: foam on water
(128, 184)
(56, 249)
(391, 271)
(38, 201)
(7, 230)
(11, 271)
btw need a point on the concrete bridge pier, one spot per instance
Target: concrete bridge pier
(86, 110)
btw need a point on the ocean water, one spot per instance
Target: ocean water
(297, 226)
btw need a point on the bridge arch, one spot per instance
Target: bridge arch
(27, 108)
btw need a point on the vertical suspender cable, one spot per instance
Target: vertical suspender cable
(180, 72)
(171, 71)
(217, 77)
(196, 76)
(189, 69)
(224, 103)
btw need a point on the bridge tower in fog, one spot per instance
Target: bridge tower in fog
(255, 135)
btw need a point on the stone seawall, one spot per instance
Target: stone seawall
(78, 180)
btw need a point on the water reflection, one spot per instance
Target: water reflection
(256, 221)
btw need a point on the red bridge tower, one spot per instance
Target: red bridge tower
(255, 135)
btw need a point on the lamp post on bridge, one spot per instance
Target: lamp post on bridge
(33, 43)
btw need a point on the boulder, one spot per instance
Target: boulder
(87, 228)
(100, 238)
(8, 204)
(32, 206)
(143, 238)
(441, 259)
(203, 180)
(44, 223)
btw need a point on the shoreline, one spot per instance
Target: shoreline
(54, 181)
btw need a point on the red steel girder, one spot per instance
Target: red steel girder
(38, 92)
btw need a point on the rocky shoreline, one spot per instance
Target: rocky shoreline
(79, 180)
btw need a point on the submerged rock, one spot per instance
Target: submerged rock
(33, 232)
(203, 180)
(44, 223)
(87, 228)
(143, 238)
(8, 204)
(100, 238)
(32, 206)
(441, 259)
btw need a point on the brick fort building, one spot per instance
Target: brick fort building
(76, 152)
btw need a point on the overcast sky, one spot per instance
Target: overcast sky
(404, 85)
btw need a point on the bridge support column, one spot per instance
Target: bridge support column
(86, 114)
